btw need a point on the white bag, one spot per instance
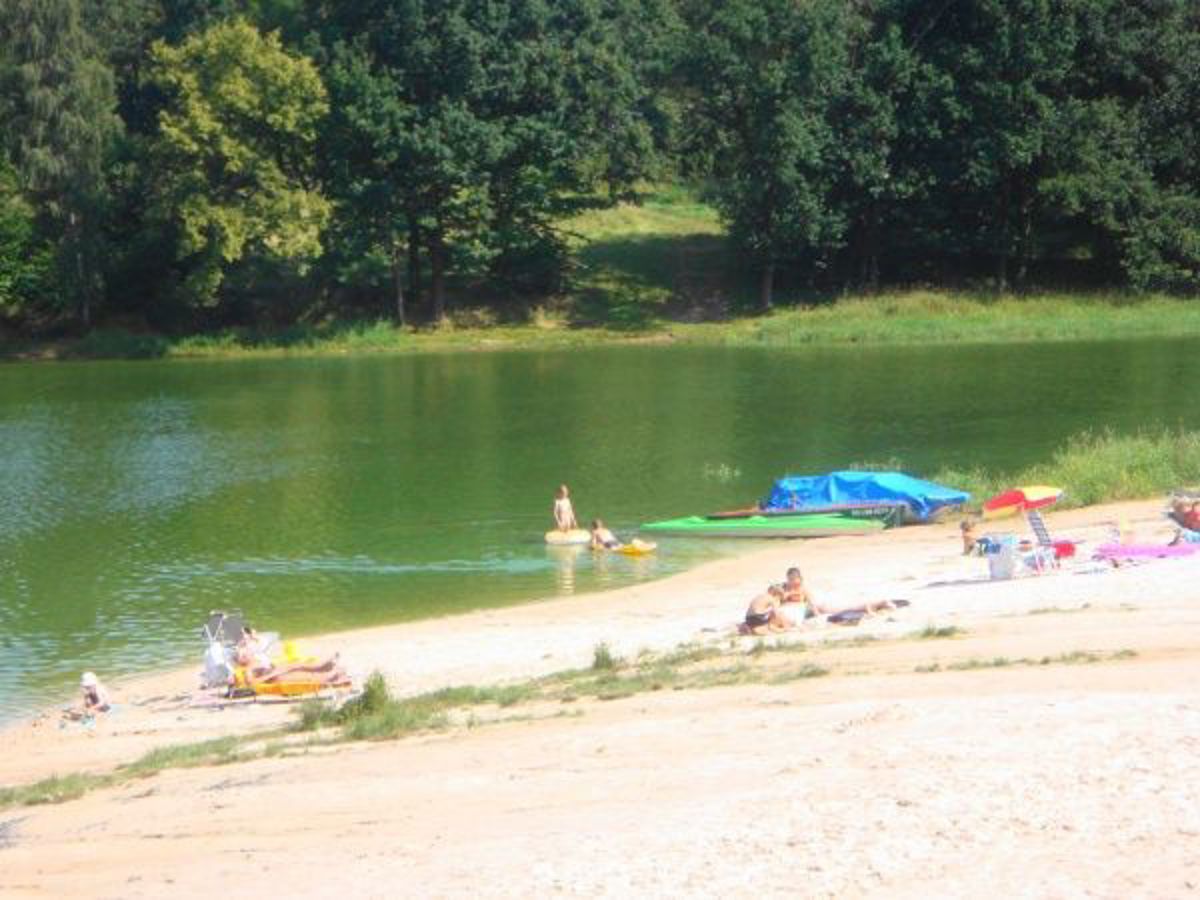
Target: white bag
(217, 670)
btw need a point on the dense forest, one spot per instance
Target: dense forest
(191, 164)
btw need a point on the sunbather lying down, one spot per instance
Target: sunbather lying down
(325, 674)
(794, 592)
(855, 614)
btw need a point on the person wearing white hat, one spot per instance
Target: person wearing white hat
(95, 697)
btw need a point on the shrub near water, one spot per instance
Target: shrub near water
(1099, 467)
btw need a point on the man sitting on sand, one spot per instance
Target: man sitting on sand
(763, 615)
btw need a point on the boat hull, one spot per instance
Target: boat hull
(760, 526)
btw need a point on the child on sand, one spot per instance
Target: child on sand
(967, 527)
(94, 700)
(564, 513)
(763, 615)
(95, 695)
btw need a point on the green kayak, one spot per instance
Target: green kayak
(811, 525)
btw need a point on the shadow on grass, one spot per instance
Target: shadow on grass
(628, 282)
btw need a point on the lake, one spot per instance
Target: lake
(320, 494)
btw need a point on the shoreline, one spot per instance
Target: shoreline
(701, 604)
(890, 319)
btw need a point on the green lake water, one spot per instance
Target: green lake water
(333, 493)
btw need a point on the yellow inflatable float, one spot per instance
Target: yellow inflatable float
(564, 538)
(637, 548)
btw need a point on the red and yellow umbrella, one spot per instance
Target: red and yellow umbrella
(1033, 496)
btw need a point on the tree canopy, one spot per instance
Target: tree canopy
(234, 150)
(185, 163)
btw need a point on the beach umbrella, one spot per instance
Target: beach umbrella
(1021, 499)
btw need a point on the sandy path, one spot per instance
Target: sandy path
(1035, 780)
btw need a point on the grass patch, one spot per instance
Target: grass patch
(603, 659)
(1100, 467)
(933, 632)
(204, 753)
(936, 317)
(1058, 610)
(1074, 658)
(996, 662)
(56, 789)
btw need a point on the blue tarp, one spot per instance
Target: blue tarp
(801, 492)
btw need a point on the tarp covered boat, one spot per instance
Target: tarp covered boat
(808, 493)
(761, 526)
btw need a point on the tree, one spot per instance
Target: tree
(234, 151)
(1008, 61)
(58, 106)
(26, 262)
(460, 128)
(761, 76)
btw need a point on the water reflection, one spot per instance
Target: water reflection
(565, 558)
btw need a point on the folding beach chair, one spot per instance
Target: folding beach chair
(224, 627)
(1059, 549)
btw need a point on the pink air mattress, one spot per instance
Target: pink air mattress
(1145, 551)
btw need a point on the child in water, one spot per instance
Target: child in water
(564, 513)
(604, 539)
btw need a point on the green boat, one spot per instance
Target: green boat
(773, 526)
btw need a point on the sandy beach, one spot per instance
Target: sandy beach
(906, 771)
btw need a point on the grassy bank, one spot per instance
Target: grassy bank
(1099, 467)
(913, 318)
(661, 270)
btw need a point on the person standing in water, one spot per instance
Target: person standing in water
(564, 513)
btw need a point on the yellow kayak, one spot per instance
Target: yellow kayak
(574, 536)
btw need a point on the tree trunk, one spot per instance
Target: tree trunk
(414, 265)
(1005, 249)
(82, 289)
(766, 291)
(398, 279)
(868, 273)
(437, 274)
(1024, 237)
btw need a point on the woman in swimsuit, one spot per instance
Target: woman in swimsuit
(794, 591)
(250, 652)
(564, 513)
